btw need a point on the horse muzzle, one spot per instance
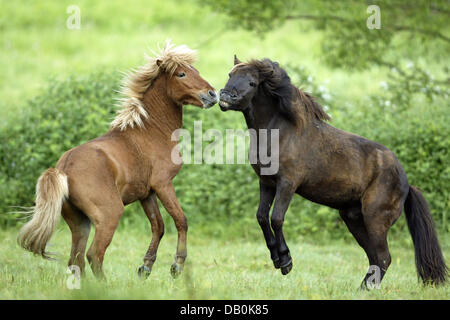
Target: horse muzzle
(227, 101)
(209, 99)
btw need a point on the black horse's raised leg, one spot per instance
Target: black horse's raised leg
(266, 196)
(283, 197)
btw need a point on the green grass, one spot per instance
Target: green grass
(215, 269)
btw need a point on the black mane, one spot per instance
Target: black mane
(276, 83)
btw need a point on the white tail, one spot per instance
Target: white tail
(51, 190)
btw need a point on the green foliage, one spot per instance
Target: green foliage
(69, 113)
(219, 199)
(254, 15)
(347, 41)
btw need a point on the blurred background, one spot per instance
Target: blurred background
(391, 85)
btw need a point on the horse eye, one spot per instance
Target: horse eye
(181, 75)
(252, 84)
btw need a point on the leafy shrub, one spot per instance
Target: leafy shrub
(218, 199)
(68, 113)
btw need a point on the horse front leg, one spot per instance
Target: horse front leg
(166, 193)
(283, 196)
(266, 196)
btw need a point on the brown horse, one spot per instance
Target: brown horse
(93, 182)
(360, 178)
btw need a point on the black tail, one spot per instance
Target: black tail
(429, 260)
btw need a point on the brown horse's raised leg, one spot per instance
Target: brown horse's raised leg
(80, 227)
(166, 193)
(283, 197)
(106, 219)
(151, 209)
(266, 196)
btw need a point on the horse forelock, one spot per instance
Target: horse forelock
(132, 110)
(237, 66)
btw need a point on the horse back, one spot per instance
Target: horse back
(105, 165)
(337, 167)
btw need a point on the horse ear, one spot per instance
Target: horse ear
(236, 60)
(158, 62)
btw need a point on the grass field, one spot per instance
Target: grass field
(215, 269)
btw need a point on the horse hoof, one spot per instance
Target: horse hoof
(144, 272)
(276, 263)
(175, 270)
(286, 268)
(363, 288)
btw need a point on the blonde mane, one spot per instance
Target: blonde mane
(132, 111)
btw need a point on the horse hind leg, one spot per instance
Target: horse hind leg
(381, 207)
(80, 227)
(105, 218)
(354, 221)
(151, 209)
(377, 252)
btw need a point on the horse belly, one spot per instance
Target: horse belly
(335, 196)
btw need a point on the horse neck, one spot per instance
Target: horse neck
(260, 112)
(263, 113)
(165, 116)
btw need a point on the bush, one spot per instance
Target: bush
(218, 199)
(66, 114)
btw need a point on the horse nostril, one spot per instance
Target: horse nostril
(212, 93)
(224, 95)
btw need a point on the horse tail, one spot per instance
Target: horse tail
(51, 190)
(430, 262)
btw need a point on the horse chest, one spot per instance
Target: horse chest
(134, 190)
(163, 171)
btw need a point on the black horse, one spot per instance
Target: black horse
(360, 178)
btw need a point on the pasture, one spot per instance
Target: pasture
(215, 269)
(48, 71)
